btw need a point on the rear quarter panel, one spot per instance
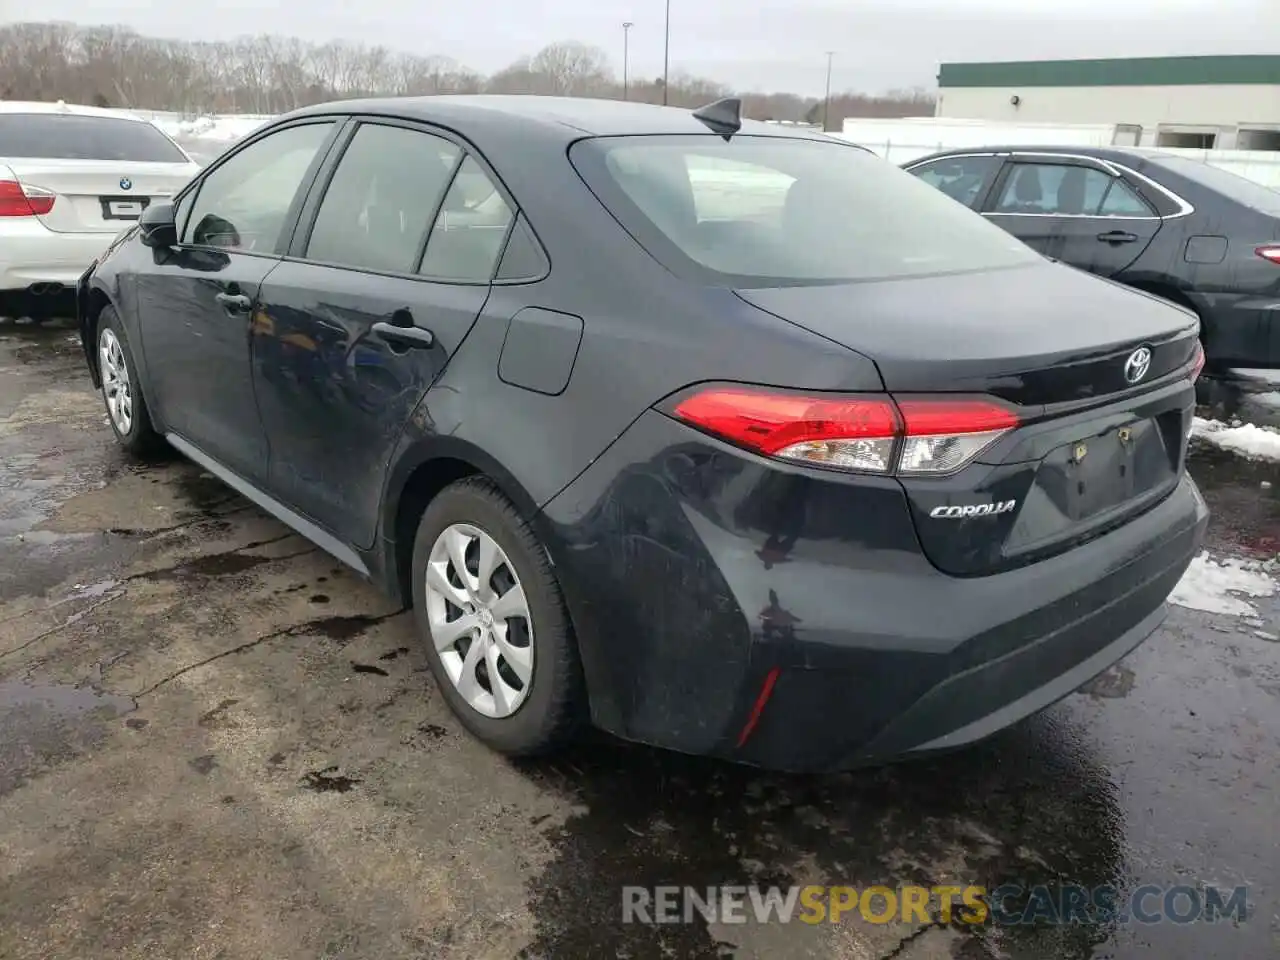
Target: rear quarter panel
(646, 334)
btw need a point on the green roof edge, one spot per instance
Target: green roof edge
(1137, 72)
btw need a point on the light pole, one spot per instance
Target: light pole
(666, 54)
(826, 99)
(626, 56)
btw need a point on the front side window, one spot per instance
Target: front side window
(379, 204)
(770, 211)
(961, 178)
(243, 203)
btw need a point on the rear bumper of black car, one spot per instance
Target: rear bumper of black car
(731, 606)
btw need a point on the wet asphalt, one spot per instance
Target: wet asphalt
(215, 742)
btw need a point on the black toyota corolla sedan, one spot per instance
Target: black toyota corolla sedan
(1193, 233)
(724, 437)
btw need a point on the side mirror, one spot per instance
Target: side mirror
(156, 226)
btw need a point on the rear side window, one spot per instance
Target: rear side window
(71, 137)
(379, 204)
(469, 232)
(771, 211)
(961, 178)
(243, 203)
(1053, 189)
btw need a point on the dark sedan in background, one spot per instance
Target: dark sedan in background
(1198, 235)
(733, 439)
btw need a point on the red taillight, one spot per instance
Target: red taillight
(1270, 252)
(916, 435)
(1197, 362)
(20, 200)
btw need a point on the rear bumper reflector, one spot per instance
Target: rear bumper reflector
(766, 690)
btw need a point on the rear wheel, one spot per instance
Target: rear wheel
(126, 409)
(489, 607)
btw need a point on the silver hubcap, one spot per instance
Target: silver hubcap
(115, 381)
(479, 620)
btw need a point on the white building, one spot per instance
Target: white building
(1222, 102)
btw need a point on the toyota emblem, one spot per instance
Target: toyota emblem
(126, 183)
(1139, 362)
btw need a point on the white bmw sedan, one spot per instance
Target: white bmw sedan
(71, 179)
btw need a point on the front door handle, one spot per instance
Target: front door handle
(405, 335)
(1117, 236)
(234, 302)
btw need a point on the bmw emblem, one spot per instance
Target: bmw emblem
(1139, 362)
(126, 183)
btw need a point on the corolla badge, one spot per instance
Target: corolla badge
(126, 183)
(972, 510)
(1139, 362)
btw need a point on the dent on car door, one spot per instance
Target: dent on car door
(196, 301)
(1076, 212)
(390, 267)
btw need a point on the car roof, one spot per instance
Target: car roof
(558, 118)
(1118, 154)
(67, 109)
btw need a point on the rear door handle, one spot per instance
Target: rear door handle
(405, 335)
(1117, 236)
(234, 302)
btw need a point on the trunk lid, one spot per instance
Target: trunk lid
(98, 196)
(1092, 449)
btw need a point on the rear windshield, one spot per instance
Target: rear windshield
(1230, 185)
(51, 136)
(770, 211)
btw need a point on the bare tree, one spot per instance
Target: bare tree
(272, 74)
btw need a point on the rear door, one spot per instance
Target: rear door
(99, 172)
(388, 271)
(1073, 209)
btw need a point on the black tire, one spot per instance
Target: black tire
(548, 716)
(141, 439)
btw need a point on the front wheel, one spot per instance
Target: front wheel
(126, 409)
(489, 607)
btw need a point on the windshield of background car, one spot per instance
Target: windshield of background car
(55, 136)
(1230, 185)
(771, 211)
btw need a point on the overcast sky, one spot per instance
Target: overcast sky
(766, 45)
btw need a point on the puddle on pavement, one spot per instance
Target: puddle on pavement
(42, 724)
(212, 565)
(1245, 513)
(1032, 805)
(64, 700)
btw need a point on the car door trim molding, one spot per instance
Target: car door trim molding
(322, 539)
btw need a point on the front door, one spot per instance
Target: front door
(196, 304)
(1074, 211)
(390, 267)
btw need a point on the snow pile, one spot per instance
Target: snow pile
(1257, 443)
(222, 128)
(1220, 586)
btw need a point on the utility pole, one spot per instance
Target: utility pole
(626, 56)
(826, 100)
(666, 55)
